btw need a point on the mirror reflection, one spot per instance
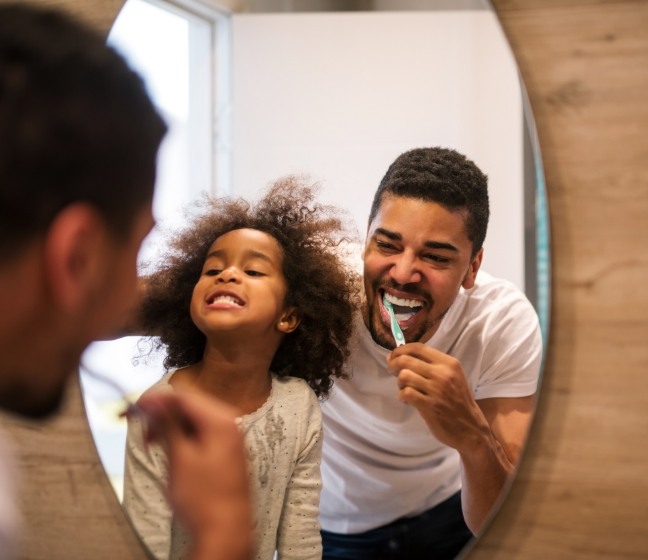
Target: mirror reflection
(252, 96)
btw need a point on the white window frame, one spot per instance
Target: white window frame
(208, 138)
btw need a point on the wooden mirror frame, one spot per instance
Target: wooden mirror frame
(582, 488)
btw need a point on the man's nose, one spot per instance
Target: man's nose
(404, 270)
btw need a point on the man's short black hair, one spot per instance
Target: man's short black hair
(76, 124)
(443, 176)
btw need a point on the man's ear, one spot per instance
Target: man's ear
(73, 252)
(289, 321)
(473, 269)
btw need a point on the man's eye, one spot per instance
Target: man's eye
(436, 259)
(385, 246)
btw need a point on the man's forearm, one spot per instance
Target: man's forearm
(485, 471)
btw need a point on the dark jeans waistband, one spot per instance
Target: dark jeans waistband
(439, 533)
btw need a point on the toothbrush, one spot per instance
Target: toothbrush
(395, 328)
(131, 408)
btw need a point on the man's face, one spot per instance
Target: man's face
(418, 255)
(54, 341)
(118, 296)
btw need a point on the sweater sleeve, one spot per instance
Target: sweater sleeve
(299, 529)
(145, 481)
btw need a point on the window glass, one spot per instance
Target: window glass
(180, 49)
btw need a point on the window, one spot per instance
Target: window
(181, 50)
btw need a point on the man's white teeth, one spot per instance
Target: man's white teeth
(225, 299)
(402, 302)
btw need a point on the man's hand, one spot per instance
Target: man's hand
(488, 434)
(435, 384)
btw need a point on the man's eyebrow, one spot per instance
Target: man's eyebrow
(394, 236)
(440, 245)
(388, 233)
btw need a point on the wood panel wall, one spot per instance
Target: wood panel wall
(582, 490)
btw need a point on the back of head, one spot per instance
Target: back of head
(442, 176)
(76, 125)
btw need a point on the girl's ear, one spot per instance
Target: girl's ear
(289, 321)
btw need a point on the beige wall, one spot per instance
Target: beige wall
(582, 490)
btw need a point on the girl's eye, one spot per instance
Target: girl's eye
(254, 273)
(212, 272)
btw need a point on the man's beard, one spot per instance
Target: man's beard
(381, 334)
(19, 399)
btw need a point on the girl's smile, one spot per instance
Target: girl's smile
(242, 286)
(224, 300)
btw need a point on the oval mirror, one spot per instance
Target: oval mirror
(258, 92)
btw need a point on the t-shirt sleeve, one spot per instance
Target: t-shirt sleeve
(512, 349)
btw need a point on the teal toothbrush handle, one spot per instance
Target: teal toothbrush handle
(395, 328)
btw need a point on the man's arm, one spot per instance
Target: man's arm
(486, 467)
(488, 434)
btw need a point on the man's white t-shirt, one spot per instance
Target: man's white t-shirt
(380, 461)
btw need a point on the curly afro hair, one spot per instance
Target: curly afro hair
(320, 285)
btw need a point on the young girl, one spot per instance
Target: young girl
(254, 305)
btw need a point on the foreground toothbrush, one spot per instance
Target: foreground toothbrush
(131, 408)
(156, 423)
(395, 328)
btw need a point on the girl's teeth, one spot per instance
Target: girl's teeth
(226, 299)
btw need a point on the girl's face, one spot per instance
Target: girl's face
(242, 287)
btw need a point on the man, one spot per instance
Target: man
(78, 144)
(421, 439)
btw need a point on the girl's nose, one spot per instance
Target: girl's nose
(229, 274)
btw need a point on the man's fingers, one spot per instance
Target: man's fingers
(419, 351)
(414, 379)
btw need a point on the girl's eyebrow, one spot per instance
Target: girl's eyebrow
(394, 236)
(250, 254)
